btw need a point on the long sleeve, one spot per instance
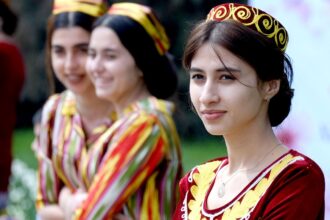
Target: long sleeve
(297, 194)
(48, 182)
(135, 152)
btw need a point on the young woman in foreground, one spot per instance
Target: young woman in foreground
(240, 88)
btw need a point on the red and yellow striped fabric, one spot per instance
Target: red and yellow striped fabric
(139, 173)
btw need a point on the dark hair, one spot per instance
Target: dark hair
(158, 70)
(9, 19)
(261, 53)
(63, 20)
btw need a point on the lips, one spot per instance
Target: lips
(212, 114)
(75, 78)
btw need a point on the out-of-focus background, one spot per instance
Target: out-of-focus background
(307, 129)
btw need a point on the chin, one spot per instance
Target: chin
(213, 131)
(102, 95)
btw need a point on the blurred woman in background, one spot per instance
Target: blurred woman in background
(73, 120)
(129, 66)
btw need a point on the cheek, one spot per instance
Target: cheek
(88, 66)
(194, 94)
(57, 65)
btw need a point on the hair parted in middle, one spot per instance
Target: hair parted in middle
(143, 35)
(70, 13)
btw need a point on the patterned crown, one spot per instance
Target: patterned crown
(94, 8)
(253, 18)
(147, 19)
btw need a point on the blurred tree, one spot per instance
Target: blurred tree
(178, 16)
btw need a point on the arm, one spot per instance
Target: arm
(48, 184)
(133, 156)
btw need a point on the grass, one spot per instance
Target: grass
(193, 151)
(23, 191)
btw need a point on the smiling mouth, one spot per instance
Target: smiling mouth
(212, 115)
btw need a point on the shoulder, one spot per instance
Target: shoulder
(307, 166)
(56, 101)
(298, 167)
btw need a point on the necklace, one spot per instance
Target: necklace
(222, 185)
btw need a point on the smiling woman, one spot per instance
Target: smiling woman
(240, 88)
(129, 66)
(73, 120)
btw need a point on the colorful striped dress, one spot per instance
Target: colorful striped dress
(139, 173)
(65, 155)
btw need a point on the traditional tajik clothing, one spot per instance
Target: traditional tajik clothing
(286, 189)
(66, 156)
(140, 172)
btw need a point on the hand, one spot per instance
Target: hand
(69, 201)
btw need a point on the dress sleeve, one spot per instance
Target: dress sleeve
(180, 207)
(47, 181)
(134, 153)
(298, 194)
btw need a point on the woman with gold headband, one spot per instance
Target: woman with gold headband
(73, 120)
(240, 88)
(129, 66)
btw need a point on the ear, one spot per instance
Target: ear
(271, 88)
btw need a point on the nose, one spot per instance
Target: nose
(94, 65)
(71, 62)
(209, 94)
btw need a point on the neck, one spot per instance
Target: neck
(249, 145)
(93, 111)
(141, 92)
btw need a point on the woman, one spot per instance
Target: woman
(73, 120)
(11, 83)
(129, 67)
(240, 88)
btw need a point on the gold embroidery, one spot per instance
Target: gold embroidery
(251, 198)
(202, 181)
(253, 18)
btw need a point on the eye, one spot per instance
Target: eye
(83, 50)
(91, 53)
(58, 51)
(196, 76)
(110, 56)
(227, 77)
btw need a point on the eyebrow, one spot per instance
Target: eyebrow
(80, 45)
(222, 69)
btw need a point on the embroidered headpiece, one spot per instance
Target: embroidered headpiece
(94, 8)
(147, 19)
(253, 18)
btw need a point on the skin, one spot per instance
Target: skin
(234, 105)
(68, 57)
(69, 53)
(113, 70)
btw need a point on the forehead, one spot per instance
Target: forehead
(211, 54)
(105, 37)
(70, 36)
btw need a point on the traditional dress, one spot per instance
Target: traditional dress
(12, 75)
(139, 174)
(65, 155)
(292, 187)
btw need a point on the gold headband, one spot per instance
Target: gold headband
(145, 17)
(94, 8)
(253, 18)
